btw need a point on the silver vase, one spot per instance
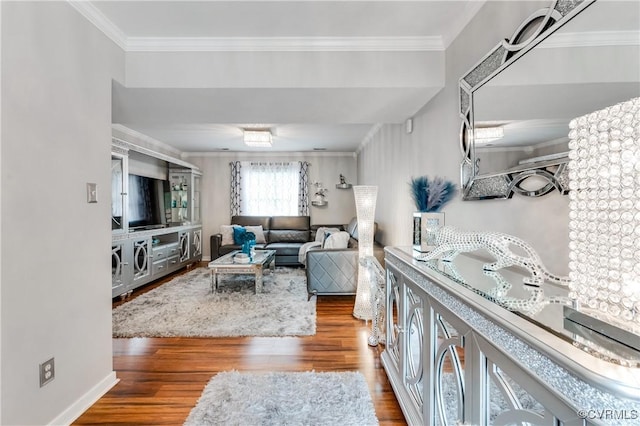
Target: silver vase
(422, 223)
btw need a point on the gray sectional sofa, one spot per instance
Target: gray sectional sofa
(284, 234)
(329, 271)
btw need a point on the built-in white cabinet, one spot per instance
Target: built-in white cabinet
(168, 208)
(140, 257)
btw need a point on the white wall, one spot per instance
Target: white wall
(56, 137)
(393, 157)
(324, 167)
(283, 69)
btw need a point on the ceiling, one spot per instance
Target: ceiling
(321, 74)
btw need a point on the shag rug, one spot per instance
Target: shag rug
(308, 398)
(186, 307)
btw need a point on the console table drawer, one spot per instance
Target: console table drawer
(159, 253)
(165, 251)
(159, 267)
(173, 261)
(173, 250)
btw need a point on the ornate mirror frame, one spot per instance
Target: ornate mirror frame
(553, 173)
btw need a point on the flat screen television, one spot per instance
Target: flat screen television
(147, 202)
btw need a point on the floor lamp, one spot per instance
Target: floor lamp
(365, 197)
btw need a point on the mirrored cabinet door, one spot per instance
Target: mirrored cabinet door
(180, 200)
(185, 196)
(118, 192)
(196, 198)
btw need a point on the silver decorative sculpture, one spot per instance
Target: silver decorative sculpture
(530, 305)
(450, 242)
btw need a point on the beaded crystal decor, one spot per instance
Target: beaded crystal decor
(377, 281)
(604, 212)
(365, 198)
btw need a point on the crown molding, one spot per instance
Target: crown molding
(252, 44)
(282, 44)
(590, 39)
(273, 154)
(129, 135)
(97, 18)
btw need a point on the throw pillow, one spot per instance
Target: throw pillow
(322, 232)
(327, 234)
(238, 235)
(227, 234)
(336, 240)
(259, 232)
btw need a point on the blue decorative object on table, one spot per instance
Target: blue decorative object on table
(248, 241)
(239, 235)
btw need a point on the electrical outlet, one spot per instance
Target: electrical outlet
(47, 372)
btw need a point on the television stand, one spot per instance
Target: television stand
(142, 256)
(145, 250)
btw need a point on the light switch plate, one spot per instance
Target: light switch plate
(92, 193)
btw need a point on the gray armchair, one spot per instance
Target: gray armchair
(335, 271)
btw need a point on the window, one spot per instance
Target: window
(269, 188)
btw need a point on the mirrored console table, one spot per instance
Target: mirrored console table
(474, 347)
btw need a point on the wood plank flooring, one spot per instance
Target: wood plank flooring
(161, 379)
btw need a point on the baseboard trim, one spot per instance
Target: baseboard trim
(76, 409)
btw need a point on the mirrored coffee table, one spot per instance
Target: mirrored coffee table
(261, 260)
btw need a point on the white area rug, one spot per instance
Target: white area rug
(308, 398)
(186, 307)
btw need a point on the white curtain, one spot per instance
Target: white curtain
(269, 188)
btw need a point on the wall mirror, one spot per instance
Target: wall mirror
(563, 62)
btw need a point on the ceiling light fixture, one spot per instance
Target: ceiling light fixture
(488, 134)
(258, 138)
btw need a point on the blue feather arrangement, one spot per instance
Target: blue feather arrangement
(431, 195)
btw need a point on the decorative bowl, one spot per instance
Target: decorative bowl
(241, 258)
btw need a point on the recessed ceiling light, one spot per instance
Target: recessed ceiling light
(319, 149)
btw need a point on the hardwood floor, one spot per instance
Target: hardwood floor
(161, 379)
